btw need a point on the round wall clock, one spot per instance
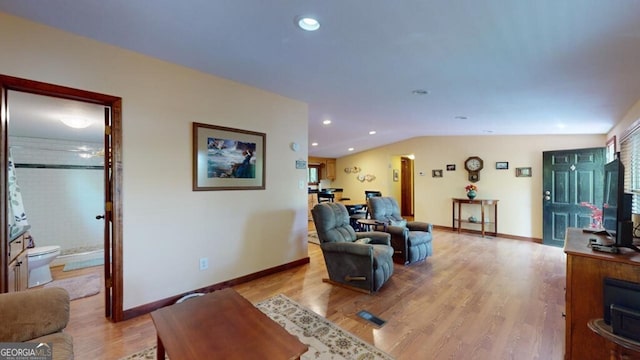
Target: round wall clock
(473, 165)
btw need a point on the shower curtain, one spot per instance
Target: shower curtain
(17, 216)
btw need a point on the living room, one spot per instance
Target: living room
(167, 227)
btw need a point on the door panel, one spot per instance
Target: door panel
(569, 178)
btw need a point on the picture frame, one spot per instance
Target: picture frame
(226, 158)
(451, 167)
(502, 165)
(396, 175)
(436, 173)
(523, 172)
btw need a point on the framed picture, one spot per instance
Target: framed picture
(228, 159)
(396, 176)
(502, 165)
(523, 172)
(436, 173)
(451, 167)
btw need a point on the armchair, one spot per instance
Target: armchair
(38, 316)
(361, 261)
(411, 240)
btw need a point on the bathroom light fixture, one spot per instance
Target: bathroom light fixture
(307, 23)
(76, 122)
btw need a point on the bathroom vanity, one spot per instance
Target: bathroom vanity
(18, 267)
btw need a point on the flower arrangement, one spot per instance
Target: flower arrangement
(596, 215)
(470, 187)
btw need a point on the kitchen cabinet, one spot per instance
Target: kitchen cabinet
(327, 167)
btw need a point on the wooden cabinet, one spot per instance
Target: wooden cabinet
(327, 167)
(586, 270)
(331, 169)
(18, 271)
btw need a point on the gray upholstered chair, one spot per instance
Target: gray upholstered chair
(411, 240)
(363, 260)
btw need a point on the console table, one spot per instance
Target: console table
(457, 221)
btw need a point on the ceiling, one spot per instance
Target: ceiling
(489, 67)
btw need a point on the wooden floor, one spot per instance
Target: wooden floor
(476, 298)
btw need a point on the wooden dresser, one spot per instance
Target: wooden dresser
(586, 270)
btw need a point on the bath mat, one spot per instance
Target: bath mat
(312, 237)
(75, 265)
(79, 286)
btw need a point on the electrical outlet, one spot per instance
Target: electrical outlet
(204, 263)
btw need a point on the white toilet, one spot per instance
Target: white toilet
(38, 260)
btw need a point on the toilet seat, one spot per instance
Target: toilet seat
(42, 250)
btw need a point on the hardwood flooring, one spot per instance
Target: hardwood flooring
(476, 298)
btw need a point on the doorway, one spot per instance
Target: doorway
(406, 186)
(112, 229)
(570, 177)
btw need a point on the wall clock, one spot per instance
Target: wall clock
(473, 165)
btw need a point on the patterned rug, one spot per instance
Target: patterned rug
(79, 286)
(312, 237)
(325, 339)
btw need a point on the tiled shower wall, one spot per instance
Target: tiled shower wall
(61, 204)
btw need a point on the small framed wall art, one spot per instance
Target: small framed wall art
(523, 172)
(502, 165)
(436, 173)
(451, 167)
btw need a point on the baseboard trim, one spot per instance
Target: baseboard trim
(477, 232)
(147, 308)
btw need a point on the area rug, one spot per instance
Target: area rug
(312, 237)
(75, 265)
(79, 286)
(325, 339)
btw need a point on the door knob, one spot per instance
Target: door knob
(98, 217)
(547, 197)
(547, 192)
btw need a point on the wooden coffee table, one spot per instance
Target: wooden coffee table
(222, 325)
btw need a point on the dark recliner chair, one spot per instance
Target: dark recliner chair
(411, 240)
(361, 261)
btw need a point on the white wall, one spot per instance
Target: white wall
(168, 227)
(61, 204)
(520, 198)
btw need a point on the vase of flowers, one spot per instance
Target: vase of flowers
(596, 215)
(471, 191)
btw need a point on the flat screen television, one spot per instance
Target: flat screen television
(616, 207)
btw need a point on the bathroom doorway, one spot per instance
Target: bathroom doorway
(82, 165)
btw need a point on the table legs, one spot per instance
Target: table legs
(160, 354)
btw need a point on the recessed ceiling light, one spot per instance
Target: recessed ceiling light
(372, 132)
(420, 92)
(307, 23)
(350, 149)
(327, 122)
(314, 144)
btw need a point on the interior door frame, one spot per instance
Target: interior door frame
(406, 186)
(113, 263)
